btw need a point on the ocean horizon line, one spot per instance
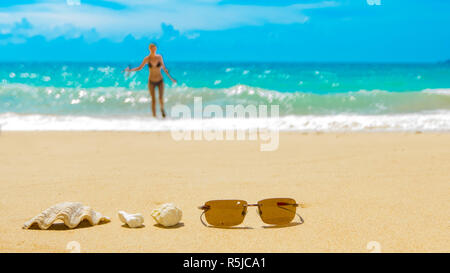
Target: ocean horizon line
(441, 62)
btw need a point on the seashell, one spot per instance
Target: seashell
(132, 220)
(71, 213)
(167, 215)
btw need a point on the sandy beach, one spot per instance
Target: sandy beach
(391, 188)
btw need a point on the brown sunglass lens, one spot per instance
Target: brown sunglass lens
(277, 211)
(225, 213)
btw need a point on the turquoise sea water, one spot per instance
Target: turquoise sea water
(39, 91)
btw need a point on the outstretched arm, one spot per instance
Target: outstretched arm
(144, 62)
(167, 71)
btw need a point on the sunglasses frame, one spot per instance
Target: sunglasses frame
(205, 208)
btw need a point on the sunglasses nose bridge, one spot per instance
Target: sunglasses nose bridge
(254, 205)
(244, 211)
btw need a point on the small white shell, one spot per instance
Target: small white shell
(132, 220)
(167, 215)
(71, 213)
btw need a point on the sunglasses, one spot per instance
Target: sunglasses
(228, 213)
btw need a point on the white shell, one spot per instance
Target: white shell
(132, 220)
(71, 213)
(167, 215)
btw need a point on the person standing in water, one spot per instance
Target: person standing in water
(155, 63)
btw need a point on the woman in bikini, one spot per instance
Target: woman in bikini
(155, 63)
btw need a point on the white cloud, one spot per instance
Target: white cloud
(141, 17)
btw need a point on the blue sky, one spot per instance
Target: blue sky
(227, 30)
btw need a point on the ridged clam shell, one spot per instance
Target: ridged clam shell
(71, 213)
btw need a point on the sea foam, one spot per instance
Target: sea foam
(427, 121)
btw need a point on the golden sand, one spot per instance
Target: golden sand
(391, 188)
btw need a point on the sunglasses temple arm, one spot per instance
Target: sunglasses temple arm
(201, 219)
(301, 219)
